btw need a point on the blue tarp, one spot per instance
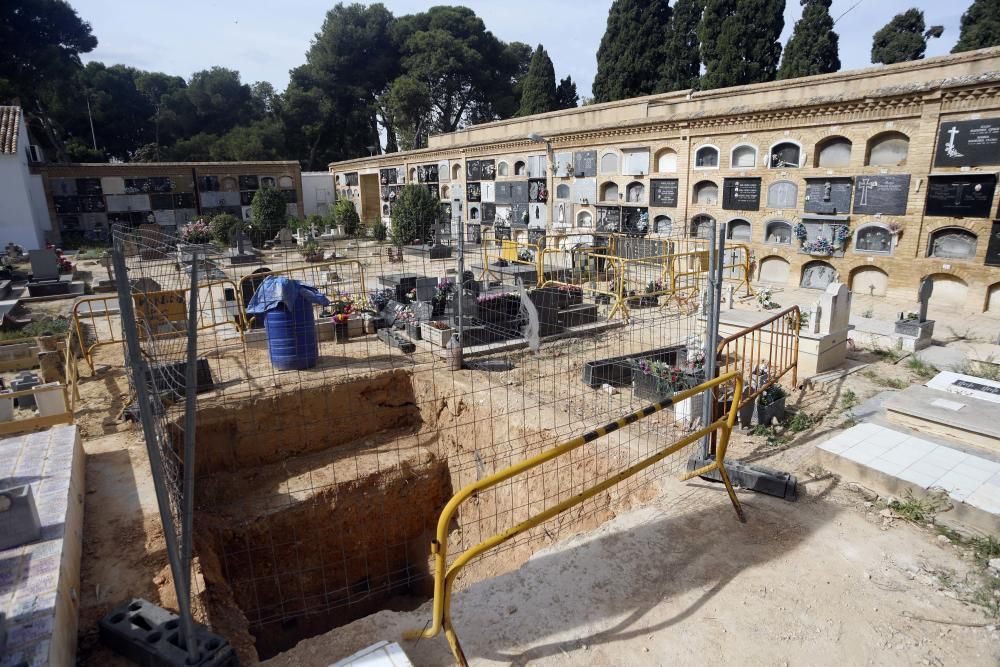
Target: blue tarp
(280, 289)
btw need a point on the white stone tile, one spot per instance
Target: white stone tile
(929, 468)
(887, 466)
(919, 445)
(975, 468)
(958, 486)
(866, 451)
(986, 497)
(902, 454)
(994, 480)
(946, 457)
(918, 478)
(837, 444)
(887, 436)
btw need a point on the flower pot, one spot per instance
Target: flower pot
(413, 330)
(341, 331)
(439, 337)
(767, 413)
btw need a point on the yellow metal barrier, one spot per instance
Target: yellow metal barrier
(155, 308)
(444, 576)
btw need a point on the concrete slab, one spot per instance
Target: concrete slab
(974, 422)
(894, 461)
(966, 385)
(40, 581)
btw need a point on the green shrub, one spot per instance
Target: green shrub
(379, 231)
(269, 214)
(413, 215)
(222, 228)
(345, 215)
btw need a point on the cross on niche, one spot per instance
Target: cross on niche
(865, 185)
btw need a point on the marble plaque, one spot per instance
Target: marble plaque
(741, 194)
(663, 192)
(585, 164)
(882, 193)
(968, 143)
(829, 196)
(961, 195)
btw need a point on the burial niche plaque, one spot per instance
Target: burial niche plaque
(585, 164)
(608, 219)
(829, 196)
(473, 170)
(882, 193)
(968, 142)
(663, 192)
(741, 194)
(993, 246)
(961, 195)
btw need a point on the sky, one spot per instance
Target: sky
(265, 40)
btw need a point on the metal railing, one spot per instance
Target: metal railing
(764, 353)
(444, 576)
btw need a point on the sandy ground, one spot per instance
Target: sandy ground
(825, 580)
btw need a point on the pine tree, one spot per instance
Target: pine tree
(682, 54)
(903, 38)
(812, 48)
(980, 26)
(739, 41)
(566, 97)
(538, 94)
(632, 49)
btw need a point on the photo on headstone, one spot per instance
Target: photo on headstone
(502, 215)
(537, 190)
(472, 192)
(882, 193)
(968, 143)
(488, 170)
(473, 170)
(961, 195)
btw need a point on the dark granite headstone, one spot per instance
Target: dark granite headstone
(609, 219)
(968, 143)
(536, 236)
(501, 233)
(829, 196)
(961, 195)
(488, 169)
(663, 192)
(503, 193)
(519, 192)
(585, 164)
(993, 246)
(387, 176)
(473, 191)
(635, 220)
(538, 190)
(474, 234)
(882, 193)
(488, 213)
(519, 214)
(473, 170)
(741, 194)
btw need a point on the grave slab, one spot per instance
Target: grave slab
(962, 418)
(40, 581)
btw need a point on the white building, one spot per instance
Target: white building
(24, 218)
(317, 192)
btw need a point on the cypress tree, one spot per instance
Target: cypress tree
(903, 38)
(980, 26)
(632, 49)
(538, 93)
(682, 54)
(566, 97)
(812, 48)
(739, 41)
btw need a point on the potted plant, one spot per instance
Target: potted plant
(765, 299)
(342, 308)
(840, 235)
(311, 251)
(438, 333)
(895, 228)
(771, 404)
(800, 232)
(194, 236)
(658, 381)
(442, 295)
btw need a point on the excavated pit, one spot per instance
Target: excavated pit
(317, 507)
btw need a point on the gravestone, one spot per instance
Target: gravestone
(829, 196)
(834, 310)
(663, 192)
(961, 195)
(585, 164)
(818, 275)
(285, 237)
(968, 143)
(741, 194)
(608, 219)
(782, 195)
(924, 297)
(882, 193)
(473, 234)
(44, 264)
(993, 246)
(917, 334)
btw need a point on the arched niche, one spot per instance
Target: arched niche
(444, 192)
(503, 169)
(888, 149)
(609, 191)
(817, 275)
(785, 155)
(666, 161)
(774, 270)
(520, 169)
(834, 152)
(635, 192)
(562, 191)
(706, 193)
(778, 232)
(869, 280)
(413, 174)
(609, 163)
(662, 224)
(700, 226)
(706, 157)
(949, 291)
(952, 243)
(456, 171)
(782, 194)
(585, 219)
(873, 238)
(230, 184)
(743, 156)
(739, 229)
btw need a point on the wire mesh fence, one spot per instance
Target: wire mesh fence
(330, 429)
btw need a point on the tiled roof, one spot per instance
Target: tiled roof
(10, 118)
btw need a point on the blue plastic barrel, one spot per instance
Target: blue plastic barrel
(291, 336)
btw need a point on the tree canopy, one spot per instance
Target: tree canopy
(538, 93)
(980, 26)
(681, 67)
(739, 41)
(632, 49)
(903, 38)
(566, 96)
(813, 47)
(413, 215)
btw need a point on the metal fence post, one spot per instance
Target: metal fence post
(144, 402)
(711, 337)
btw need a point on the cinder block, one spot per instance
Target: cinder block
(19, 522)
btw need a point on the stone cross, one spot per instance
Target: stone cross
(924, 296)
